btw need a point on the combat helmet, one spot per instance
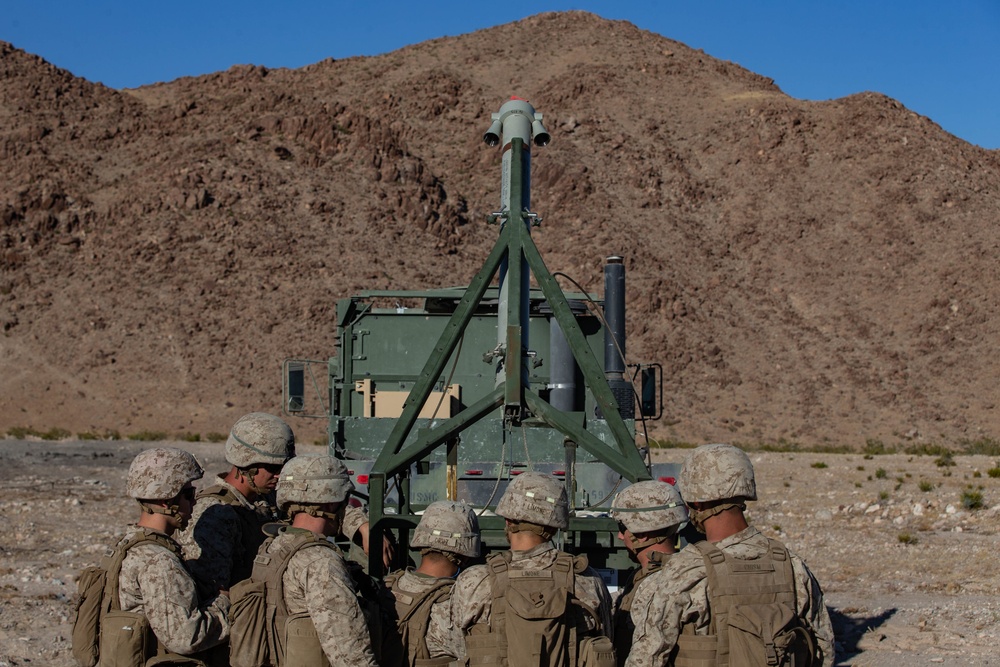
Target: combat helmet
(313, 480)
(647, 507)
(717, 472)
(534, 497)
(161, 473)
(448, 526)
(259, 438)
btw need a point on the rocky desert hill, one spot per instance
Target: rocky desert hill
(819, 272)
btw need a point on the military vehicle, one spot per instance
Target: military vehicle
(450, 393)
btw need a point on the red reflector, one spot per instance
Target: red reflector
(354, 502)
(362, 479)
(668, 480)
(516, 472)
(473, 472)
(558, 472)
(350, 472)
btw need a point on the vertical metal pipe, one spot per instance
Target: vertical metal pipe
(614, 336)
(564, 373)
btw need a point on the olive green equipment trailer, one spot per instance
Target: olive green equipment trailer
(450, 393)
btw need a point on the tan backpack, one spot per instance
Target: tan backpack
(259, 622)
(536, 619)
(753, 615)
(413, 615)
(103, 634)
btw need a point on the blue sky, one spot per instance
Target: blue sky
(939, 58)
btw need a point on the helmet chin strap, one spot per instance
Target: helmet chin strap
(249, 474)
(170, 511)
(544, 532)
(698, 517)
(336, 518)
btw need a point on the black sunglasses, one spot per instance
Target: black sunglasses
(188, 493)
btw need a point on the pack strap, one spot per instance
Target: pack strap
(270, 568)
(113, 559)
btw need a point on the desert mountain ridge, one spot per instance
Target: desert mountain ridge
(814, 272)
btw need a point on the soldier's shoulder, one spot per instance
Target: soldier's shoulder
(470, 579)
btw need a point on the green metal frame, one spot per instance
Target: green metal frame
(515, 245)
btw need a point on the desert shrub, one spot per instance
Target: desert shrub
(880, 473)
(946, 460)
(55, 433)
(926, 485)
(982, 446)
(907, 538)
(994, 472)
(148, 436)
(972, 498)
(670, 443)
(928, 450)
(189, 437)
(875, 447)
(215, 437)
(883, 495)
(818, 464)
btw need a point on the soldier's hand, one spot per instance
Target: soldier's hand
(387, 549)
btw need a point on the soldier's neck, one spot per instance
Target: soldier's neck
(525, 541)
(316, 524)
(725, 524)
(157, 522)
(433, 565)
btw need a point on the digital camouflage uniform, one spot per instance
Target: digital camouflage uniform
(154, 582)
(317, 582)
(471, 597)
(678, 594)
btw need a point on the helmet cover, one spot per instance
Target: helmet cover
(717, 472)
(449, 526)
(646, 507)
(536, 498)
(313, 480)
(161, 473)
(259, 438)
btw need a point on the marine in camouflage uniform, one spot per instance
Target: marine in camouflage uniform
(313, 490)
(716, 480)
(535, 507)
(226, 528)
(447, 536)
(153, 579)
(649, 515)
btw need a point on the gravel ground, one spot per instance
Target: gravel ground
(909, 574)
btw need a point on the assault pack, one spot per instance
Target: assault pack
(105, 635)
(536, 619)
(413, 616)
(264, 634)
(754, 622)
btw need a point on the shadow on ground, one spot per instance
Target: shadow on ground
(849, 629)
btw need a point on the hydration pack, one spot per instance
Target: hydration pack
(754, 622)
(536, 619)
